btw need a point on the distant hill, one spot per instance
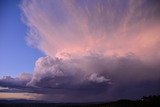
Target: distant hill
(150, 101)
(18, 101)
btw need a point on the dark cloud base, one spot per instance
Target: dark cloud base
(123, 78)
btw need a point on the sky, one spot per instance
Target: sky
(15, 55)
(63, 51)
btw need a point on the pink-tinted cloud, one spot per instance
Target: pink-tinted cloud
(97, 41)
(106, 27)
(95, 49)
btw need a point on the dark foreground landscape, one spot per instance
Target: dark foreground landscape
(150, 101)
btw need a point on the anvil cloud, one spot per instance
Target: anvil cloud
(96, 50)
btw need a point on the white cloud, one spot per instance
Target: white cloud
(95, 78)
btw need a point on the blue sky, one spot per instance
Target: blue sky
(15, 55)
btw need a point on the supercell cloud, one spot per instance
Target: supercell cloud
(96, 50)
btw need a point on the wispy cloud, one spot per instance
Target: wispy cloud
(79, 27)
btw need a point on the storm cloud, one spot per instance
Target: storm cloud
(93, 77)
(96, 50)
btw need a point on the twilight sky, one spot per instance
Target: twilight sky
(79, 50)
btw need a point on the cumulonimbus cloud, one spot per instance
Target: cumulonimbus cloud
(93, 77)
(98, 49)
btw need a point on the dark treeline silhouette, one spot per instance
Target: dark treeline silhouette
(149, 101)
